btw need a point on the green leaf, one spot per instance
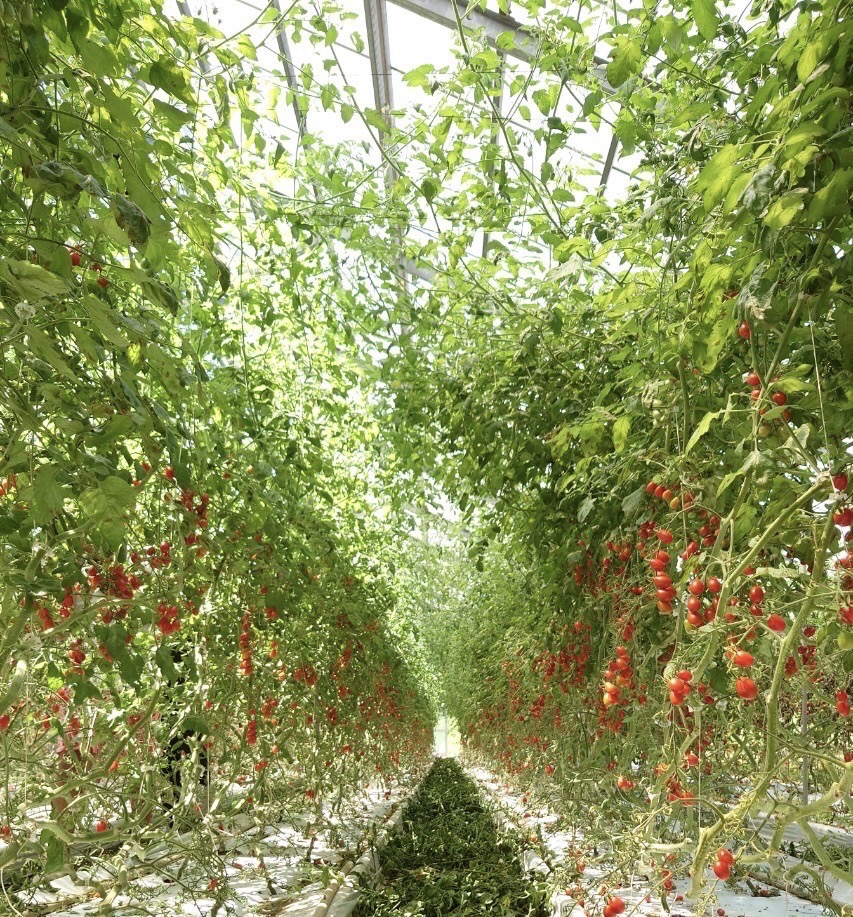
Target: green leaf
(586, 508)
(156, 291)
(808, 60)
(702, 428)
(374, 119)
(195, 723)
(626, 60)
(705, 14)
(132, 219)
(31, 281)
(506, 41)
(833, 199)
(166, 664)
(43, 348)
(48, 496)
(54, 854)
(164, 366)
(633, 501)
(844, 330)
(621, 429)
(781, 212)
(430, 188)
(111, 497)
(716, 178)
(164, 75)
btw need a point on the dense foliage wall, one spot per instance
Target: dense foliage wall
(190, 576)
(653, 441)
(224, 406)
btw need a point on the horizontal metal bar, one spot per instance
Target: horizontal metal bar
(493, 24)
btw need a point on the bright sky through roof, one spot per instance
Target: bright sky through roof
(414, 40)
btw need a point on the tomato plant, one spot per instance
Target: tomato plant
(282, 473)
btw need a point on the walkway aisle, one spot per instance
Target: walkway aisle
(448, 859)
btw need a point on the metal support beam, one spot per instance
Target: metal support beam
(493, 24)
(611, 158)
(495, 135)
(289, 71)
(379, 47)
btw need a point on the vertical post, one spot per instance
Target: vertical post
(804, 728)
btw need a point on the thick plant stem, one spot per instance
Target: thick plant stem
(762, 780)
(790, 640)
(747, 559)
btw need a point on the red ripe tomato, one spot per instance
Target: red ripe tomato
(616, 905)
(744, 330)
(726, 856)
(102, 826)
(722, 870)
(743, 659)
(776, 622)
(839, 482)
(75, 257)
(842, 703)
(713, 584)
(694, 604)
(746, 688)
(843, 518)
(662, 581)
(657, 564)
(664, 535)
(753, 379)
(780, 398)
(685, 675)
(651, 486)
(696, 586)
(756, 595)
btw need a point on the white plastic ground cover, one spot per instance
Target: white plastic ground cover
(268, 871)
(341, 896)
(512, 811)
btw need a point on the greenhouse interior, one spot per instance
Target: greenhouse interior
(426, 445)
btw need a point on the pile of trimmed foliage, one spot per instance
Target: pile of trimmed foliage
(448, 858)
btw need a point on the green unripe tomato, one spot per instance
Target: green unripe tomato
(845, 640)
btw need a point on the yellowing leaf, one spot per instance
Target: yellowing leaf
(781, 212)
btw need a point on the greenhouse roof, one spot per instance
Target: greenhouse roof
(372, 47)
